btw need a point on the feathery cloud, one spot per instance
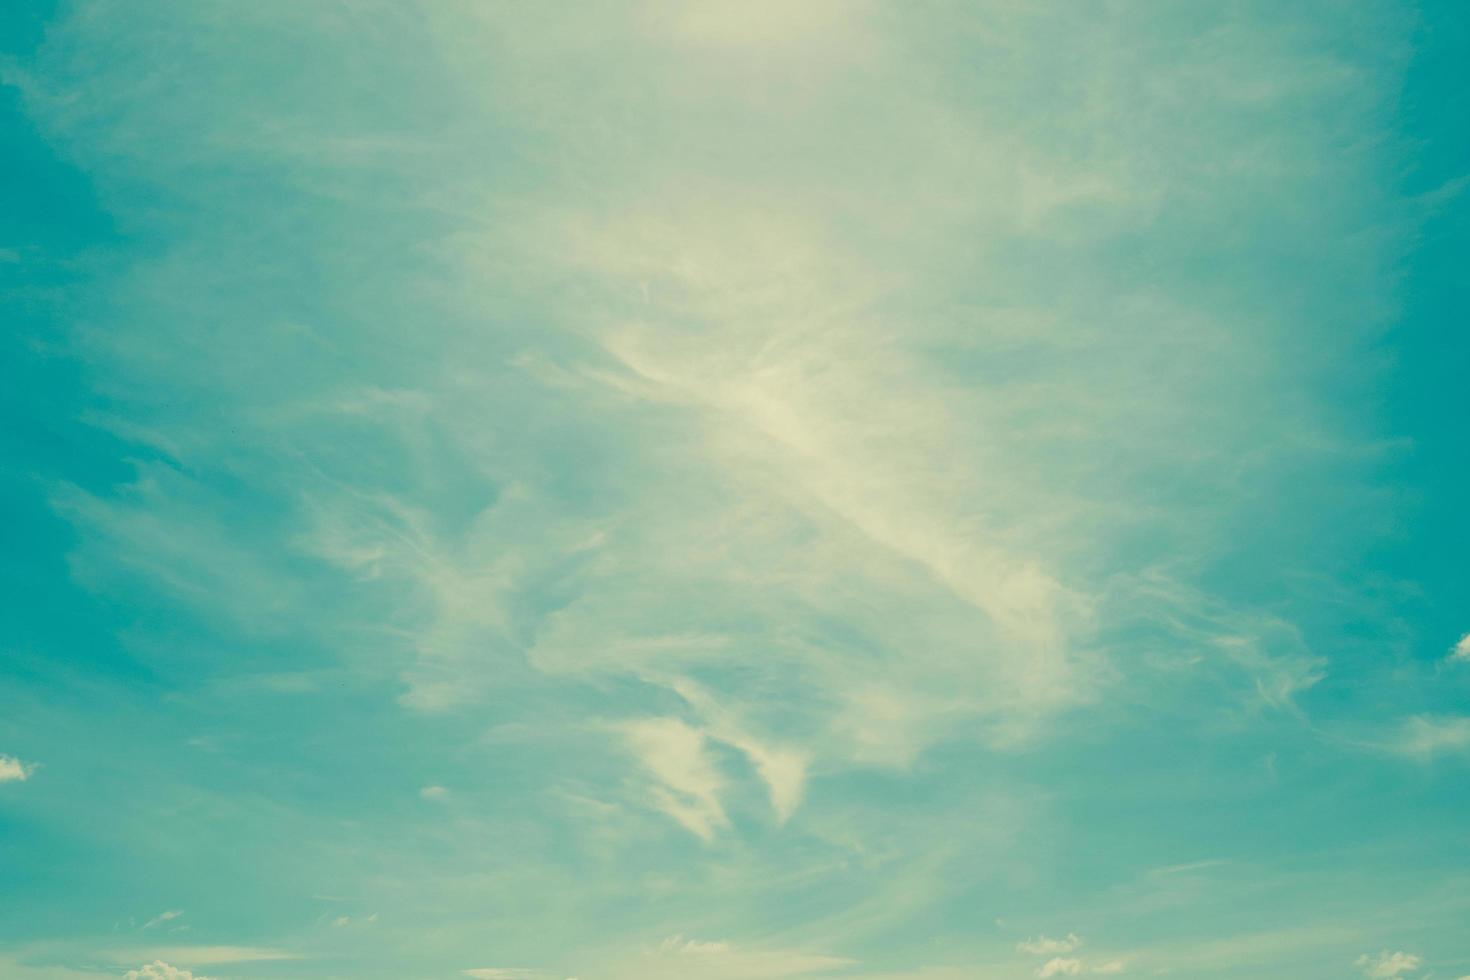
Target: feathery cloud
(686, 783)
(168, 915)
(774, 415)
(1426, 736)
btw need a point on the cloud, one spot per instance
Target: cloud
(1387, 965)
(347, 921)
(159, 970)
(886, 478)
(1066, 966)
(677, 958)
(1062, 965)
(500, 973)
(783, 770)
(434, 793)
(1426, 736)
(709, 383)
(1186, 868)
(166, 916)
(13, 770)
(196, 956)
(687, 784)
(1461, 650)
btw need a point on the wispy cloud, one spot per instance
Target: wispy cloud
(197, 956)
(1187, 868)
(686, 783)
(166, 916)
(799, 427)
(1426, 736)
(882, 442)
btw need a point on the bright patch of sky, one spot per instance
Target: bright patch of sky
(733, 489)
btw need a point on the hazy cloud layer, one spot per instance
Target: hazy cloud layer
(863, 483)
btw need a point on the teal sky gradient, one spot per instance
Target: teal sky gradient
(734, 489)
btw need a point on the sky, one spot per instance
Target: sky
(734, 489)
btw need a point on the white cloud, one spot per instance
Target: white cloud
(1461, 650)
(1279, 673)
(1425, 736)
(678, 958)
(196, 956)
(783, 770)
(159, 970)
(13, 770)
(166, 916)
(1387, 965)
(1186, 868)
(343, 921)
(687, 784)
(812, 378)
(499, 973)
(678, 944)
(434, 793)
(816, 427)
(1062, 965)
(1046, 946)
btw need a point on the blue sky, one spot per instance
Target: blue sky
(698, 489)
